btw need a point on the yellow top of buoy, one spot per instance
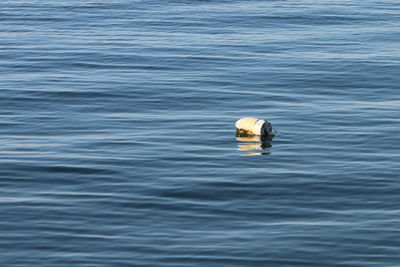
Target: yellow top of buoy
(246, 123)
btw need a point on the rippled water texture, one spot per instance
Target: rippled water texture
(117, 137)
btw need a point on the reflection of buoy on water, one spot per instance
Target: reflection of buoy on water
(250, 143)
(253, 126)
(253, 145)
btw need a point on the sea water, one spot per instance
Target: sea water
(117, 135)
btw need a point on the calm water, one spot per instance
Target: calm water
(117, 139)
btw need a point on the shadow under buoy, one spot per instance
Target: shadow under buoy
(253, 145)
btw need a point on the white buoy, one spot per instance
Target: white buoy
(253, 126)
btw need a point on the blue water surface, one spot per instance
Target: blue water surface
(117, 137)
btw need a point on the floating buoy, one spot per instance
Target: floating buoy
(253, 126)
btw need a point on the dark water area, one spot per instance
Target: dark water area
(117, 137)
